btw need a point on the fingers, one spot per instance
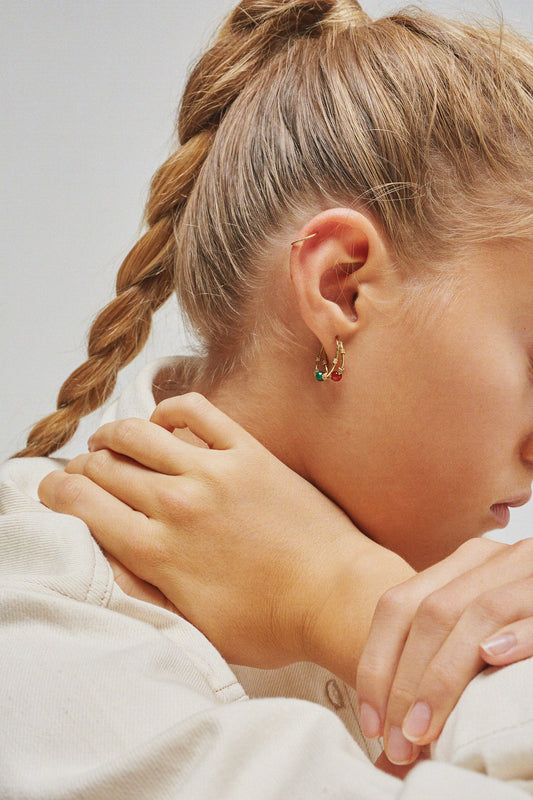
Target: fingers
(509, 644)
(207, 422)
(117, 527)
(146, 443)
(152, 444)
(390, 629)
(458, 661)
(435, 666)
(410, 624)
(388, 636)
(129, 482)
(422, 708)
(441, 654)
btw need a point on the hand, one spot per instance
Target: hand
(260, 561)
(136, 587)
(302, 573)
(431, 635)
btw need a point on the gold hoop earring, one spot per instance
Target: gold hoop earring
(323, 371)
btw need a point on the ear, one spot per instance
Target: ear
(338, 264)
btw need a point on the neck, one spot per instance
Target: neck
(281, 412)
(269, 411)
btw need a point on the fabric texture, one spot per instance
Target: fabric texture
(106, 696)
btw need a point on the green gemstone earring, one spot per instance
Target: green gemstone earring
(323, 371)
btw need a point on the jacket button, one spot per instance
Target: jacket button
(334, 694)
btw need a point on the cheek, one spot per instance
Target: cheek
(487, 399)
(424, 459)
(431, 429)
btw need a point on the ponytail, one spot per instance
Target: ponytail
(300, 104)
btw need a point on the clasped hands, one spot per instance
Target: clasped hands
(272, 572)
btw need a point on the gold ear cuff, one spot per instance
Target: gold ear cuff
(305, 238)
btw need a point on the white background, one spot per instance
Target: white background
(89, 90)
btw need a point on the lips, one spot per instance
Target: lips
(501, 513)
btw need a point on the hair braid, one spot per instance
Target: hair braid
(252, 34)
(298, 103)
(144, 283)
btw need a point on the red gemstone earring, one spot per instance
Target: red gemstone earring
(323, 371)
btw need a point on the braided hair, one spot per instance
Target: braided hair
(299, 104)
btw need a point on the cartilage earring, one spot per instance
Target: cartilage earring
(323, 371)
(304, 239)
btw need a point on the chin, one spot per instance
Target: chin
(429, 550)
(425, 543)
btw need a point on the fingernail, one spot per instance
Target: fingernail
(90, 445)
(499, 645)
(399, 750)
(370, 721)
(417, 721)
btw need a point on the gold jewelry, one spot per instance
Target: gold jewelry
(322, 369)
(305, 238)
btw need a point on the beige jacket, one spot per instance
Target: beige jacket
(104, 696)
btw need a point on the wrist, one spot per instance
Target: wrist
(336, 632)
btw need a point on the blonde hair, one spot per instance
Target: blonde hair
(425, 123)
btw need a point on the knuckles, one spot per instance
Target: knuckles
(66, 493)
(440, 684)
(97, 462)
(370, 673)
(195, 401)
(126, 431)
(149, 554)
(192, 403)
(401, 696)
(178, 504)
(437, 611)
(524, 549)
(395, 604)
(476, 546)
(488, 606)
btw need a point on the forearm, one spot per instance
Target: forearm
(337, 634)
(303, 583)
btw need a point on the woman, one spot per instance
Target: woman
(375, 148)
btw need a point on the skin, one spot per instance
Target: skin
(430, 427)
(434, 433)
(436, 411)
